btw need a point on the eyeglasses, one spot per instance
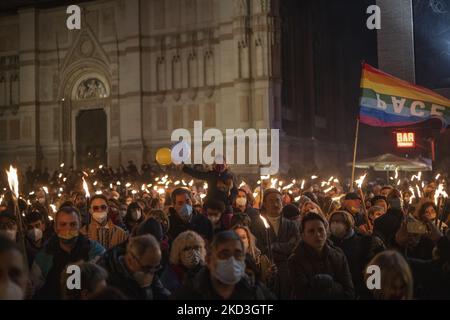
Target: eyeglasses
(146, 269)
(103, 207)
(189, 248)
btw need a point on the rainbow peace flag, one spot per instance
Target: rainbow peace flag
(387, 101)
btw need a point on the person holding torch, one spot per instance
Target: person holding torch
(276, 237)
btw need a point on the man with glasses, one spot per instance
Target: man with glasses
(224, 276)
(101, 228)
(134, 272)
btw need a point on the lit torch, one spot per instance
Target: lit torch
(418, 191)
(13, 183)
(439, 197)
(269, 243)
(86, 191)
(360, 181)
(412, 195)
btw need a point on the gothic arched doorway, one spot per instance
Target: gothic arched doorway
(91, 138)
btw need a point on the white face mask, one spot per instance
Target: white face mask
(338, 229)
(9, 233)
(41, 200)
(229, 271)
(100, 216)
(190, 258)
(34, 234)
(186, 212)
(241, 201)
(143, 279)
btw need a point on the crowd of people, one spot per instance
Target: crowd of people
(195, 233)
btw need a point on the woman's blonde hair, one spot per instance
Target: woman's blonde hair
(392, 267)
(252, 248)
(185, 239)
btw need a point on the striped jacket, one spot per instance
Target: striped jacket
(108, 236)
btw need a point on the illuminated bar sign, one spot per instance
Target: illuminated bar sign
(405, 140)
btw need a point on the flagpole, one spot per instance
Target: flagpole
(355, 147)
(354, 153)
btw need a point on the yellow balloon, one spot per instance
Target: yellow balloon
(164, 156)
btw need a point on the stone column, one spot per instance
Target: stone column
(29, 85)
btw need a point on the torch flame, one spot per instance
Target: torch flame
(418, 191)
(13, 181)
(338, 198)
(86, 189)
(314, 177)
(288, 186)
(242, 184)
(45, 189)
(360, 181)
(396, 173)
(439, 192)
(303, 184)
(437, 176)
(266, 224)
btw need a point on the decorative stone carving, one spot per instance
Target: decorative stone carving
(209, 92)
(160, 98)
(86, 48)
(177, 95)
(90, 89)
(192, 93)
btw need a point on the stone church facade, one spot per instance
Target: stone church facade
(148, 67)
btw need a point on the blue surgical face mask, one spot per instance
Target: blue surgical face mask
(229, 271)
(186, 212)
